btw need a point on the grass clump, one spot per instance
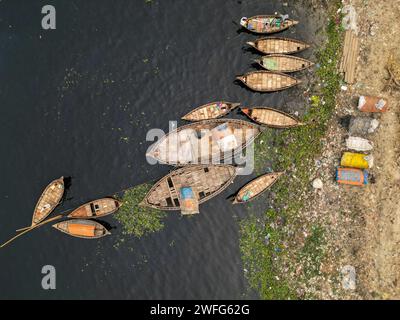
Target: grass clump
(138, 220)
(294, 151)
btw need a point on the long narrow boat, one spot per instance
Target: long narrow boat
(256, 187)
(267, 81)
(283, 63)
(264, 24)
(86, 229)
(204, 142)
(49, 199)
(271, 117)
(273, 45)
(96, 209)
(205, 182)
(211, 110)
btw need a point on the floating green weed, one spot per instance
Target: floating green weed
(135, 219)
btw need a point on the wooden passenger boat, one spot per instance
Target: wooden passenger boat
(211, 110)
(272, 45)
(49, 199)
(206, 181)
(96, 209)
(256, 187)
(203, 142)
(86, 229)
(283, 63)
(271, 117)
(266, 81)
(264, 24)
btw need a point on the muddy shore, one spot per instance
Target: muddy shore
(300, 248)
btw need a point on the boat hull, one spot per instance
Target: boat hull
(207, 181)
(204, 143)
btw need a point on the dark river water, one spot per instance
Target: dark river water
(78, 101)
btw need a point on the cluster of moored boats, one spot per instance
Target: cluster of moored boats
(200, 148)
(79, 221)
(277, 59)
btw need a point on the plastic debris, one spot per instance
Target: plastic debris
(358, 144)
(362, 125)
(317, 183)
(349, 21)
(357, 160)
(267, 238)
(372, 104)
(348, 274)
(351, 176)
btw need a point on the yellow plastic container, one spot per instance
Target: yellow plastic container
(356, 160)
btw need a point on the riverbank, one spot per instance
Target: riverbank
(283, 249)
(300, 246)
(363, 223)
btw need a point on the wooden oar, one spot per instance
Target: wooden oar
(22, 229)
(31, 228)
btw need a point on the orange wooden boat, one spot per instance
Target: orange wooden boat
(96, 209)
(49, 199)
(85, 229)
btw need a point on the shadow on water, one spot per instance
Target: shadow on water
(106, 224)
(67, 187)
(247, 48)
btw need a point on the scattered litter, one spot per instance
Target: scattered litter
(372, 104)
(374, 126)
(362, 125)
(348, 274)
(351, 176)
(359, 144)
(317, 183)
(267, 238)
(357, 160)
(343, 88)
(349, 21)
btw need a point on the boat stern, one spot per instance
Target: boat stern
(246, 111)
(243, 22)
(258, 61)
(235, 105)
(251, 44)
(143, 203)
(241, 78)
(235, 201)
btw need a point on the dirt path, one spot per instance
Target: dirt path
(363, 224)
(380, 253)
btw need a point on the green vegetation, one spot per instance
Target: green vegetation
(312, 252)
(135, 219)
(269, 265)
